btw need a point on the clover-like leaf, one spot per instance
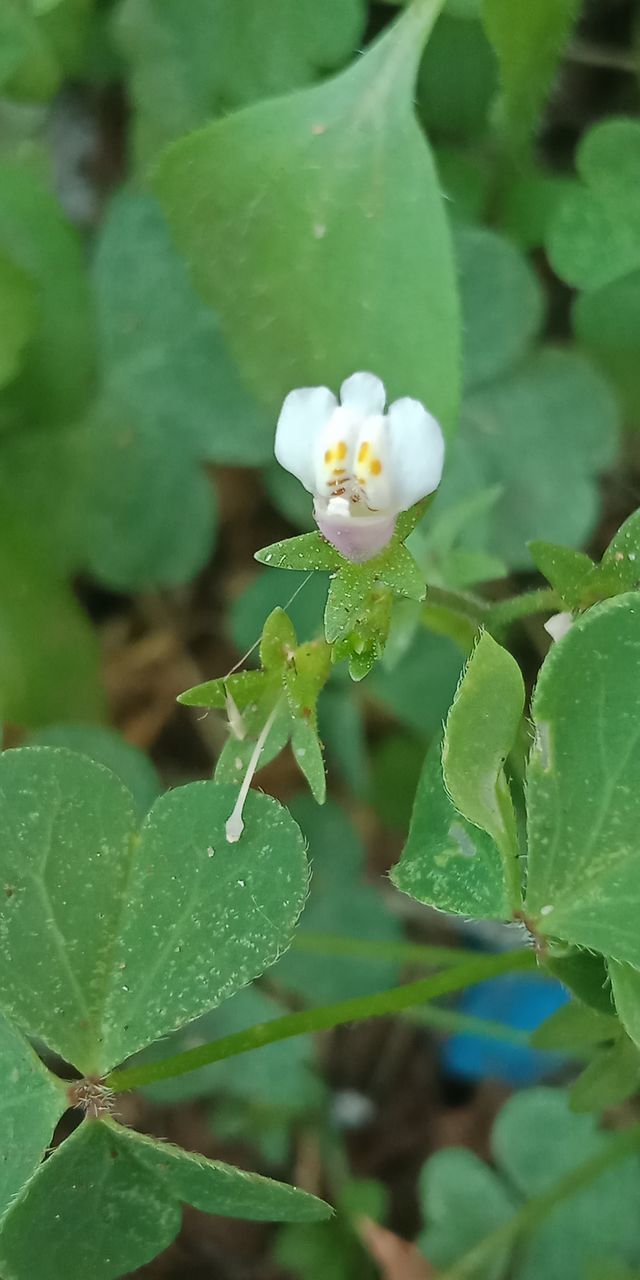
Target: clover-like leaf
(537, 1139)
(583, 784)
(139, 931)
(593, 244)
(339, 180)
(33, 1101)
(106, 746)
(517, 394)
(131, 1189)
(448, 862)
(190, 64)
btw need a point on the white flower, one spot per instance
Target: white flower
(362, 466)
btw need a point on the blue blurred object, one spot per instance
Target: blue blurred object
(519, 1001)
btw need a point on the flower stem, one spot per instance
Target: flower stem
(502, 614)
(455, 978)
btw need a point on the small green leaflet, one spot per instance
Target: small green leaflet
(592, 242)
(286, 689)
(338, 180)
(448, 862)
(358, 610)
(480, 732)
(565, 569)
(130, 1189)
(33, 1101)
(583, 784)
(139, 931)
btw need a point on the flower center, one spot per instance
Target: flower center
(352, 465)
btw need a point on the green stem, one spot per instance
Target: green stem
(324, 1018)
(410, 953)
(618, 1148)
(505, 612)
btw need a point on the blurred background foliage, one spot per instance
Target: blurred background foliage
(154, 308)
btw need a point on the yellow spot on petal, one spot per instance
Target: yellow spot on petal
(375, 467)
(341, 451)
(363, 451)
(328, 457)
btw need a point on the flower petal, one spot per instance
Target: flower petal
(416, 451)
(364, 394)
(304, 413)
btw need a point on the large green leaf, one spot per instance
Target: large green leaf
(108, 1200)
(584, 784)
(448, 862)
(529, 46)
(480, 732)
(331, 214)
(49, 658)
(107, 747)
(137, 933)
(32, 1103)
(457, 106)
(190, 63)
(58, 362)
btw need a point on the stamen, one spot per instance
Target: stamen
(234, 825)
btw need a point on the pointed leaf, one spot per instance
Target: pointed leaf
(130, 1189)
(625, 981)
(309, 551)
(528, 51)
(480, 732)
(138, 932)
(447, 861)
(565, 569)
(339, 180)
(279, 641)
(609, 1079)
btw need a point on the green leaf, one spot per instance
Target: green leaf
(547, 428)
(341, 902)
(610, 1078)
(537, 1140)
(574, 1027)
(309, 551)
(583, 785)
(33, 1101)
(278, 642)
(457, 106)
(593, 244)
(49, 659)
(17, 317)
(120, 958)
(335, 179)
(334, 1249)
(593, 240)
(583, 972)
(57, 366)
(165, 361)
(189, 64)
(463, 1201)
(130, 1189)
(620, 566)
(109, 748)
(480, 732)
(528, 52)
(566, 570)
(625, 982)
(495, 336)
(28, 68)
(448, 862)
